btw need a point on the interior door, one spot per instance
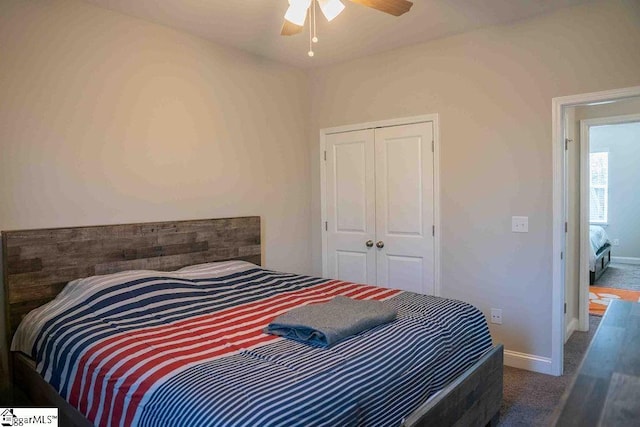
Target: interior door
(350, 187)
(404, 207)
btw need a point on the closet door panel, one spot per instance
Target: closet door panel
(405, 273)
(351, 266)
(350, 186)
(403, 189)
(404, 207)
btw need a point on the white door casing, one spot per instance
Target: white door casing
(379, 187)
(558, 106)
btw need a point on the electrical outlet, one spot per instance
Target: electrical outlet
(496, 316)
(520, 224)
(616, 242)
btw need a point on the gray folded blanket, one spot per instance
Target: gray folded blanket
(326, 323)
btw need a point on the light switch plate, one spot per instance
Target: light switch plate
(520, 224)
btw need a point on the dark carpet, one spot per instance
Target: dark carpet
(530, 398)
(621, 276)
(12, 396)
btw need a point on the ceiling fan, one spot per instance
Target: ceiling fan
(298, 10)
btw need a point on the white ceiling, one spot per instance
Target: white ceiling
(254, 25)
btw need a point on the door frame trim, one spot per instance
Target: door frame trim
(559, 191)
(585, 150)
(433, 118)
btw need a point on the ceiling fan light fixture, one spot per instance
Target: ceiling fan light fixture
(297, 11)
(331, 8)
(296, 15)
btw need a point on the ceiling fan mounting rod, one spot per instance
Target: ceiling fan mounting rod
(312, 28)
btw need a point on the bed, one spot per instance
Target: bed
(599, 252)
(38, 264)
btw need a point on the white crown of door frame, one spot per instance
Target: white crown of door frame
(558, 106)
(434, 118)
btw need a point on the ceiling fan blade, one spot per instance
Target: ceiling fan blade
(289, 28)
(393, 7)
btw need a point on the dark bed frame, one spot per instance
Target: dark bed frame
(603, 258)
(38, 263)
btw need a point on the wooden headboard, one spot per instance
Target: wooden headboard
(37, 264)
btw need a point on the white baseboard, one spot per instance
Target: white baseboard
(529, 362)
(571, 328)
(625, 260)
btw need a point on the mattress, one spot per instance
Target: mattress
(148, 348)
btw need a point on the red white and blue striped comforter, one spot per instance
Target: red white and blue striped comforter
(187, 348)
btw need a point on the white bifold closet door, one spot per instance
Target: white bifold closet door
(379, 185)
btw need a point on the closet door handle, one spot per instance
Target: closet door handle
(380, 244)
(369, 243)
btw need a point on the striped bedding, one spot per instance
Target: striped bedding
(187, 348)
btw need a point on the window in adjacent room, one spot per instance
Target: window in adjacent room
(599, 171)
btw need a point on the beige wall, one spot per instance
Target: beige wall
(493, 91)
(109, 119)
